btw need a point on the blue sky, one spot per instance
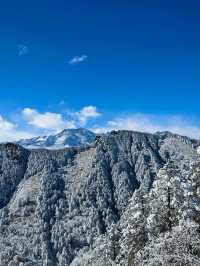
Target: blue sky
(130, 64)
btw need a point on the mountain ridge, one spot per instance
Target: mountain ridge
(91, 205)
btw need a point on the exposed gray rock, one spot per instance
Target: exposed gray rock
(106, 204)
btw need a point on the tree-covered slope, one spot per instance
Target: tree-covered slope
(128, 199)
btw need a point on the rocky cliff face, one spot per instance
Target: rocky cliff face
(128, 199)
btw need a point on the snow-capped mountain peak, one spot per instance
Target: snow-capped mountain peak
(65, 138)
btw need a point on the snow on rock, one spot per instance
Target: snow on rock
(129, 199)
(66, 138)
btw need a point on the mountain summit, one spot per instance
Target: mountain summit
(66, 138)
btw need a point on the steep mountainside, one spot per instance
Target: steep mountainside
(128, 199)
(66, 138)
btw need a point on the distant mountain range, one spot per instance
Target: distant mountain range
(66, 138)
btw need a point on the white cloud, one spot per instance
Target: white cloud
(31, 123)
(87, 113)
(5, 124)
(78, 59)
(62, 102)
(47, 120)
(152, 124)
(10, 131)
(22, 50)
(56, 121)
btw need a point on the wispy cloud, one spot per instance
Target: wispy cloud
(78, 59)
(152, 124)
(62, 102)
(86, 113)
(22, 50)
(58, 121)
(10, 131)
(32, 122)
